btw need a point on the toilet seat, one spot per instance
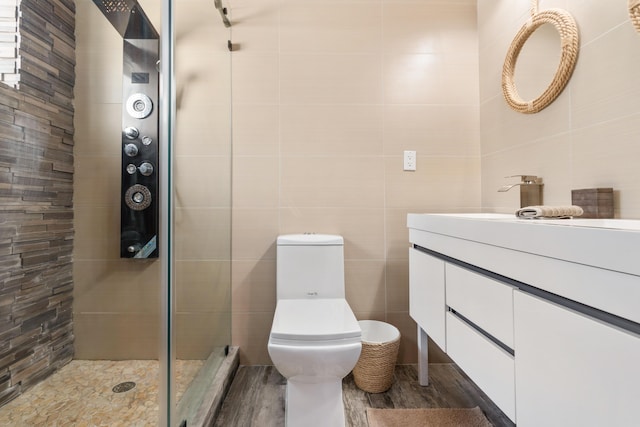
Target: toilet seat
(314, 321)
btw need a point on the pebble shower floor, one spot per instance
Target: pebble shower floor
(81, 394)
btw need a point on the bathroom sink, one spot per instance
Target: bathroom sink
(613, 244)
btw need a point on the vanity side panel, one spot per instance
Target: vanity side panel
(427, 295)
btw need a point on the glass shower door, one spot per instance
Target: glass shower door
(200, 208)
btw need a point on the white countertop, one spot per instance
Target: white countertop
(612, 244)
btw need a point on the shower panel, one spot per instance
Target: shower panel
(139, 182)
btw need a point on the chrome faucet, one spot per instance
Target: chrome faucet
(530, 189)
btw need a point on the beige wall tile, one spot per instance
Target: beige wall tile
(202, 181)
(105, 62)
(204, 82)
(438, 183)
(98, 130)
(116, 286)
(203, 130)
(316, 27)
(330, 78)
(365, 285)
(432, 130)
(97, 232)
(256, 24)
(117, 339)
(396, 231)
(203, 286)
(606, 155)
(198, 334)
(617, 93)
(501, 20)
(250, 86)
(332, 182)
(256, 182)
(430, 28)
(503, 127)
(251, 334)
(97, 181)
(254, 286)
(362, 229)
(427, 78)
(340, 130)
(397, 285)
(254, 233)
(593, 19)
(256, 130)
(202, 233)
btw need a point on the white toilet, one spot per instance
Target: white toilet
(315, 338)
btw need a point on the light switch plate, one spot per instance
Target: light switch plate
(409, 160)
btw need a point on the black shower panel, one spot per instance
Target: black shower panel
(140, 127)
(139, 204)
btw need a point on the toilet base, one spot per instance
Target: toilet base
(314, 404)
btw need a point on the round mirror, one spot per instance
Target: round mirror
(539, 61)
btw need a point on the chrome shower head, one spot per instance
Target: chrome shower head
(128, 18)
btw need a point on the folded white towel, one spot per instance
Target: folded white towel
(549, 212)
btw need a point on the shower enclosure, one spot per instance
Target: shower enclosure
(148, 333)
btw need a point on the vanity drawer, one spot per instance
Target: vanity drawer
(483, 301)
(488, 365)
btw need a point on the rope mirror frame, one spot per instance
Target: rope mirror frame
(634, 13)
(570, 41)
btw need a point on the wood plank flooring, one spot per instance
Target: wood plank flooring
(256, 396)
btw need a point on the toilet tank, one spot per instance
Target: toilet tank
(310, 266)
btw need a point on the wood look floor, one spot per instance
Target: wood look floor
(256, 396)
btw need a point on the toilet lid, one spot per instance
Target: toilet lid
(314, 320)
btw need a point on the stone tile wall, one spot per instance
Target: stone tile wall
(36, 200)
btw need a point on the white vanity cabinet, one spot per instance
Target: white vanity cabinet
(573, 370)
(543, 316)
(468, 316)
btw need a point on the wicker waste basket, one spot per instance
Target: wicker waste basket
(380, 342)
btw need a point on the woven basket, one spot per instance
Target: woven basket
(375, 368)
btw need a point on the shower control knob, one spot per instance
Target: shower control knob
(131, 132)
(133, 248)
(131, 168)
(146, 168)
(131, 150)
(147, 140)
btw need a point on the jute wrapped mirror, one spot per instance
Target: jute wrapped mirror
(569, 41)
(634, 13)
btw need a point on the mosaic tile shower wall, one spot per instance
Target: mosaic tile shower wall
(36, 200)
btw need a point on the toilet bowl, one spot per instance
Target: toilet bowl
(315, 339)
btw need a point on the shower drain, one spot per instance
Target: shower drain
(122, 387)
